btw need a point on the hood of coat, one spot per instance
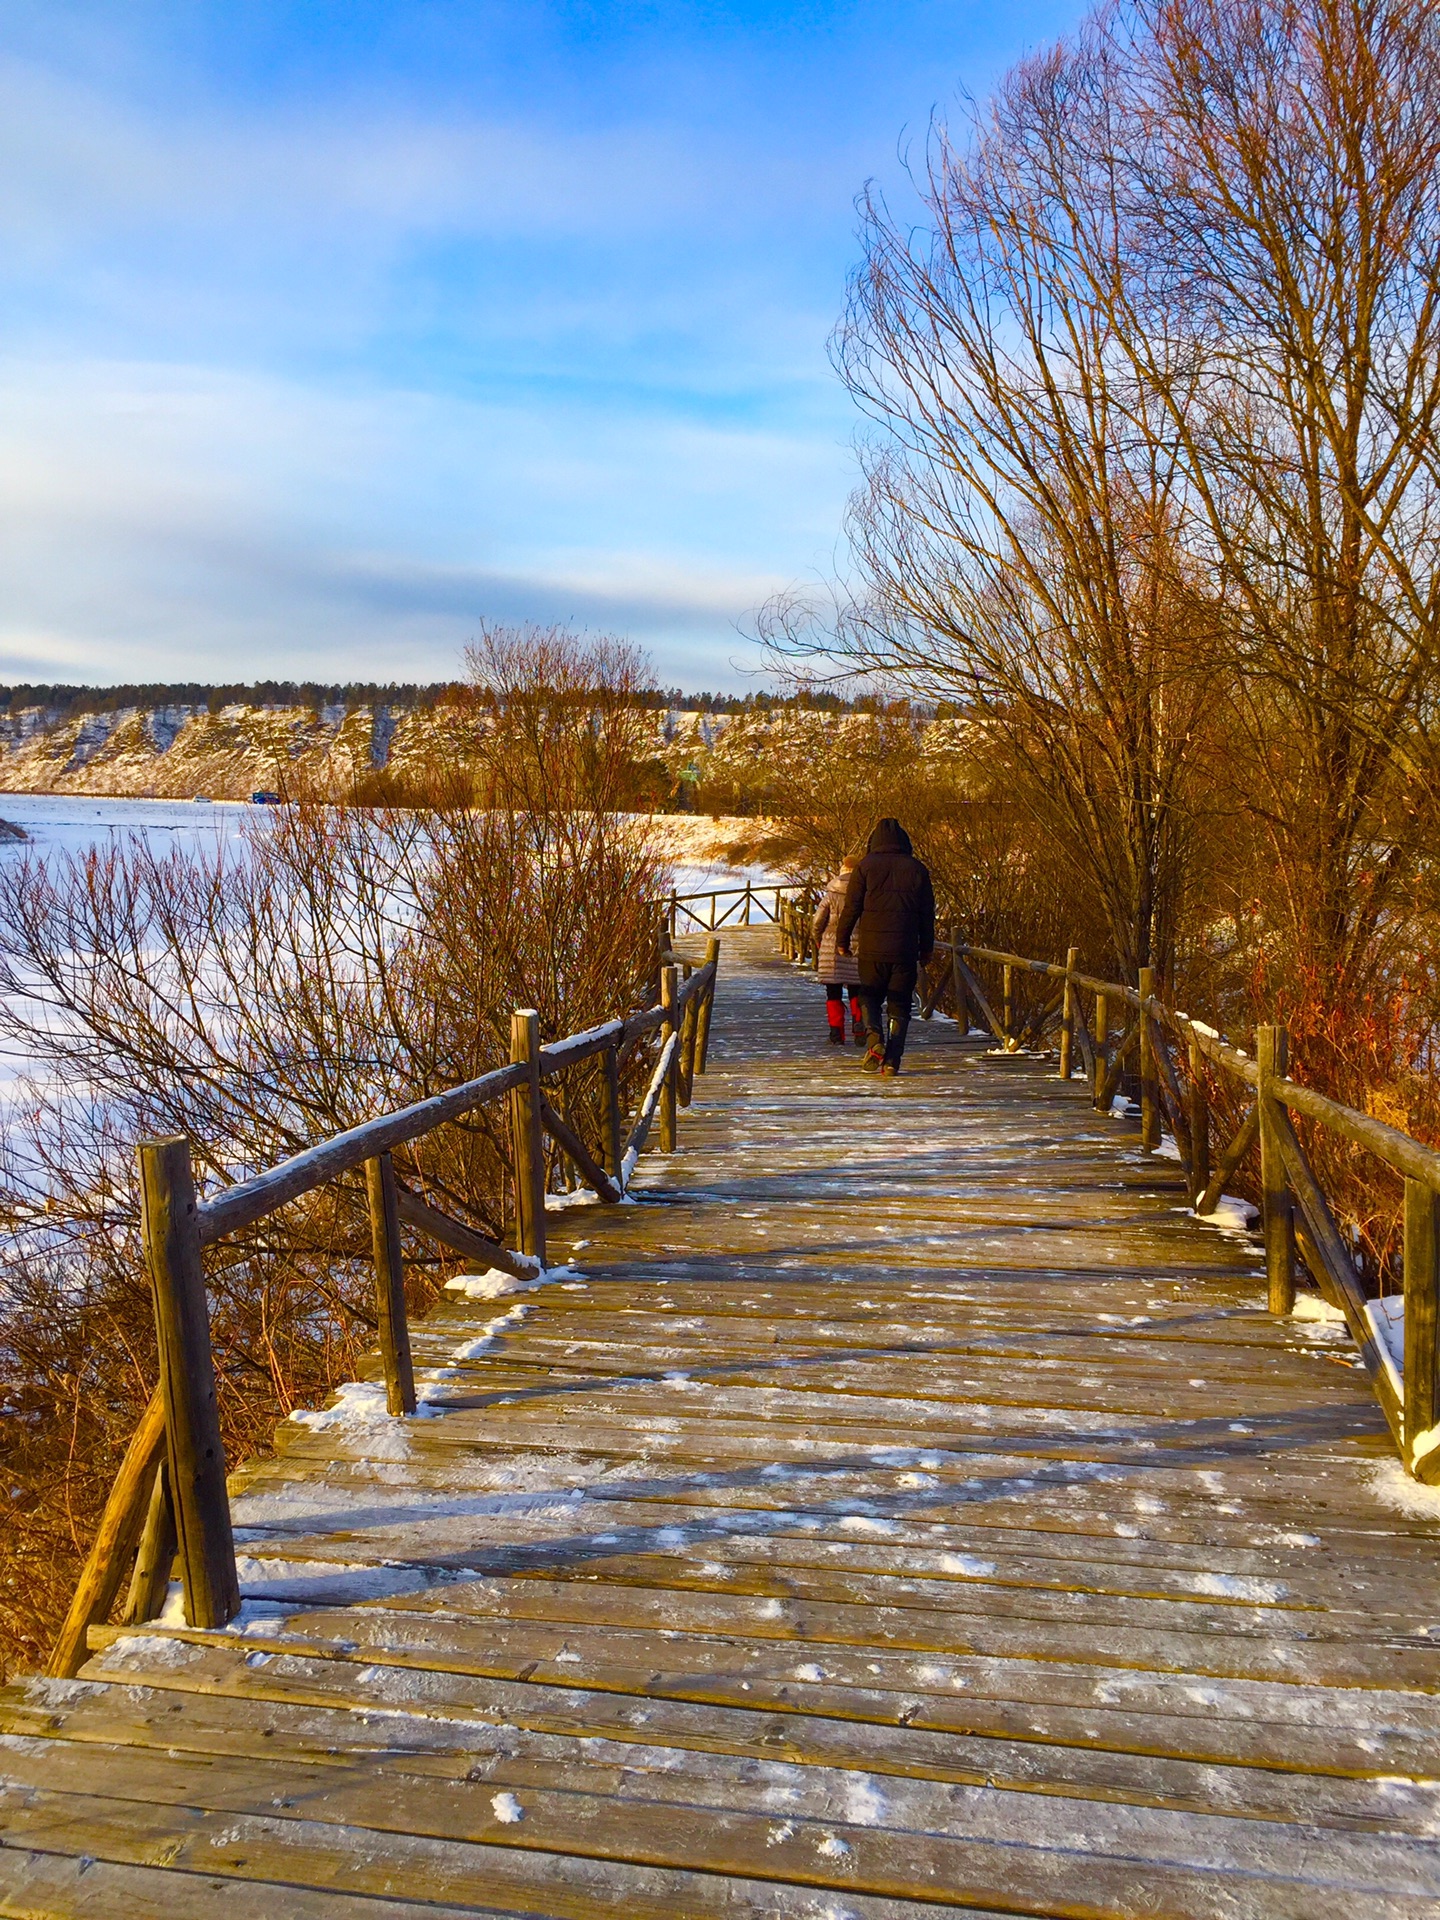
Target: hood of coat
(889, 837)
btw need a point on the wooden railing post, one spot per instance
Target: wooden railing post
(957, 985)
(527, 1140)
(1007, 1001)
(394, 1324)
(156, 1554)
(1199, 1121)
(1149, 1090)
(187, 1379)
(120, 1527)
(669, 992)
(1272, 1058)
(1422, 1337)
(688, 1030)
(612, 1136)
(702, 1036)
(1067, 1014)
(1102, 1047)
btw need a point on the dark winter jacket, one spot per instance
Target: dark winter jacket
(890, 900)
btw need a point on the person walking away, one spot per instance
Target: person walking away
(839, 972)
(890, 912)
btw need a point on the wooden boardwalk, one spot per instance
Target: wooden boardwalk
(904, 1507)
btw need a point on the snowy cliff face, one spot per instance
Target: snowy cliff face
(180, 753)
(176, 753)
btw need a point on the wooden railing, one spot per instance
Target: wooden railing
(746, 905)
(796, 921)
(1171, 1052)
(169, 1498)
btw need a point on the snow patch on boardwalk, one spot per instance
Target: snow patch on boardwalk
(358, 1407)
(1390, 1483)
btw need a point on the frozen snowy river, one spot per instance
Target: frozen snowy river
(73, 822)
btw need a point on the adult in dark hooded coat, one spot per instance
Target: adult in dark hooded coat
(890, 913)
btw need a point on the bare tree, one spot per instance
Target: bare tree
(1284, 304)
(1016, 528)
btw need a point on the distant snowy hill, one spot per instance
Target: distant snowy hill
(185, 752)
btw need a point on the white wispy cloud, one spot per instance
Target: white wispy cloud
(312, 382)
(216, 519)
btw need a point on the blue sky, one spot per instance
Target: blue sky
(330, 329)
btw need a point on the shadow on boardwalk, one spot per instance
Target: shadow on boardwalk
(905, 1506)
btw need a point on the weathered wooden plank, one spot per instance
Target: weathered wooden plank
(511, 1607)
(1164, 1542)
(974, 1842)
(312, 1714)
(1373, 1601)
(1017, 1505)
(63, 1886)
(763, 1703)
(322, 1859)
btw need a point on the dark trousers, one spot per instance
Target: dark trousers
(888, 987)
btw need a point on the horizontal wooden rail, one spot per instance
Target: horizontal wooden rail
(768, 898)
(1407, 1156)
(264, 1193)
(1397, 1149)
(251, 1200)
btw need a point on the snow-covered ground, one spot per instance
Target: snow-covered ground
(72, 822)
